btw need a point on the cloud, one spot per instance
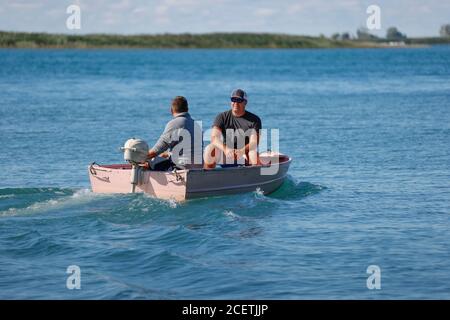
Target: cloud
(111, 18)
(198, 16)
(140, 10)
(183, 3)
(264, 12)
(295, 8)
(25, 5)
(161, 10)
(123, 4)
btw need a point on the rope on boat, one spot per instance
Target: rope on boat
(94, 171)
(177, 175)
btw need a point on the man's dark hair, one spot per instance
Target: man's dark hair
(179, 104)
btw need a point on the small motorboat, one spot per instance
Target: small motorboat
(185, 184)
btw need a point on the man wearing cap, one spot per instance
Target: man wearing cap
(234, 135)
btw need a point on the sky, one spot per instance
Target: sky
(416, 18)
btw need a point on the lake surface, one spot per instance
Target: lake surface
(368, 131)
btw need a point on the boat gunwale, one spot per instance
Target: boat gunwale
(127, 166)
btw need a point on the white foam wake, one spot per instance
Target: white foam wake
(81, 196)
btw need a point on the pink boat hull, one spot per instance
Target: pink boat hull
(187, 184)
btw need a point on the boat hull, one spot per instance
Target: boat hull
(187, 184)
(237, 180)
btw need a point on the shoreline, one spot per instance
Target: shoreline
(23, 40)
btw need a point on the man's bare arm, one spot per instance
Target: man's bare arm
(217, 141)
(251, 145)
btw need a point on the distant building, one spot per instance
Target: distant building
(445, 31)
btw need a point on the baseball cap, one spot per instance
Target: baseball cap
(239, 93)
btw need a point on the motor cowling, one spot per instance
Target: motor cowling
(135, 151)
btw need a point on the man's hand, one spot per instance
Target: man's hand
(239, 153)
(229, 153)
(151, 154)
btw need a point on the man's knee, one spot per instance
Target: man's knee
(253, 157)
(209, 156)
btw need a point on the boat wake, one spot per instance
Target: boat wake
(292, 189)
(25, 201)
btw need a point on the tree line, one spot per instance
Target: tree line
(362, 39)
(392, 34)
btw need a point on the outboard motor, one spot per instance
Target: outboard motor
(135, 152)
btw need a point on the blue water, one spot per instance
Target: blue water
(368, 129)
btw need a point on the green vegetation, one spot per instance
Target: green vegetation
(364, 34)
(212, 40)
(394, 35)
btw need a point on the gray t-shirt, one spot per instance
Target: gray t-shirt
(172, 136)
(226, 120)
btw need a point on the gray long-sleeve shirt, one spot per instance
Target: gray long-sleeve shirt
(174, 134)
